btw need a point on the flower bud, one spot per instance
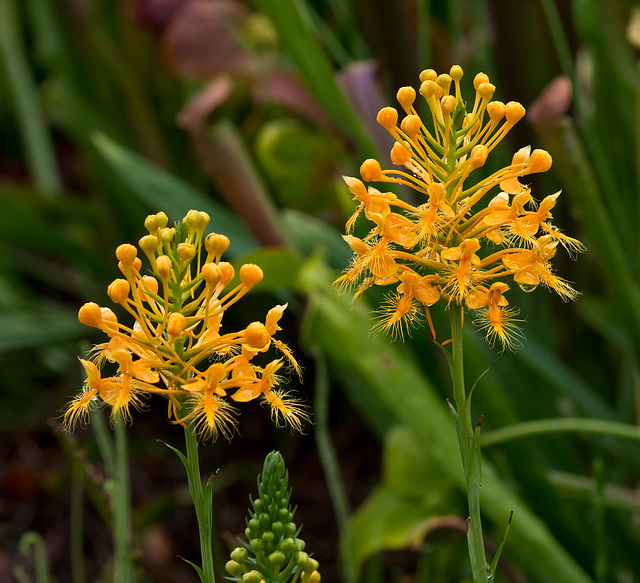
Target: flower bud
(166, 235)
(479, 155)
(539, 161)
(456, 72)
(163, 267)
(186, 251)
(400, 154)
(411, 125)
(147, 284)
(211, 273)
(161, 220)
(371, 171)
(444, 81)
(126, 254)
(239, 554)
(250, 274)
(216, 244)
(228, 272)
(118, 291)
(387, 118)
(514, 112)
(256, 336)
(175, 325)
(90, 314)
(234, 569)
(479, 79)
(252, 577)
(277, 558)
(428, 75)
(448, 104)
(192, 219)
(204, 221)
(486, 90)
(406, 96)
(151, 225)
(496, 110)
(148, 244)
(428, 89)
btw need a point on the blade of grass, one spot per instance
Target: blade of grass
(38, 145)
(291, 20)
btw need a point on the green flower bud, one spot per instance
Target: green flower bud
(301, 559)
(277, 528)
(252, 577)
(234, 569)
(287, 545)
(290, 528)
(277, 558)
(240, 554)
(256, 545)
(299, 544)
(268, 537)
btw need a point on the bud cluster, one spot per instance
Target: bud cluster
(176, 346)
(459, 242)
(274, 553)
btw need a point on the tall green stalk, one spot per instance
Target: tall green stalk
(469, 448)
(123, 572)
(202, 502)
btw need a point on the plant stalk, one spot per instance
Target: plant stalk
(122, 507)
(202, 502)
(470, 463)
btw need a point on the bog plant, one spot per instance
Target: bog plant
(177, 348)
(461, 244)
(274, 552)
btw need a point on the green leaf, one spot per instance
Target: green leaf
(163, 191)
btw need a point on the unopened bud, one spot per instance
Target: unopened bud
(149, 284)
(539, 161)
(448, 104)
(400, 154)
(228, 272)
(496, 110)
(387, 118)
(211, 273)
(371, 171)
(118, 291)
(456, 72)
(486, 90)
(428, 75)
(163, 267)
(256, 336)
(186, 251)
(250, 274)
(126, 254)
(148, 244)
(479, 79)
(175, 325)
(216, 244)
(166, 234)
(234, 569)
(192, 219)
(90, 314)
(406, 96)
(411, 125)
(514, 112)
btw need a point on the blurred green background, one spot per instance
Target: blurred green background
(252, 111)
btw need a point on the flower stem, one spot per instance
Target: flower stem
(470, 455)
(202, 502)
(122, 506)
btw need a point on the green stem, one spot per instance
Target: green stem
(331, 468)
(122, 507)
(76, 534)
(470, 457)
(202, 502)
(549, 426)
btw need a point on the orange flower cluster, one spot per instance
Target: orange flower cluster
(176, 347)
(458, 243)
